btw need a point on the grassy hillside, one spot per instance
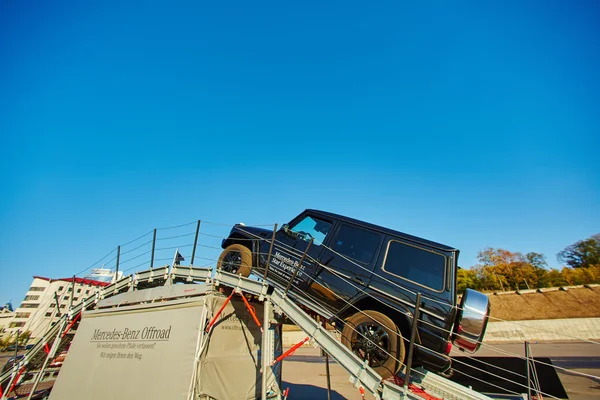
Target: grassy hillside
(573, 303)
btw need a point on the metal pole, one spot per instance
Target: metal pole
(528, 375)
(195, 242)
(411, 346)
(153, 246)
(270, 251)
(117, 268)
(263, 350)
(17, 346)
(328, 376)
(57, 305)
(298, 268)
(323, 323)
(72, 292)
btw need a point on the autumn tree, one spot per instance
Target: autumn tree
(582, 254)
(512, 270)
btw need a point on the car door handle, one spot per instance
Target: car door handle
(358, 280)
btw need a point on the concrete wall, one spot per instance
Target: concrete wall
(515, 331)
(542, 330)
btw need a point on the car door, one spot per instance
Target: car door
(306, 232)
(345, 266)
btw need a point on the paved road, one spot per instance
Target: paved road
(304, 372)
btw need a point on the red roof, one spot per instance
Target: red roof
(82, 281)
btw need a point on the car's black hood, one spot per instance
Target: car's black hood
(252, 231)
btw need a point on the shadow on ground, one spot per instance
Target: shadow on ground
(506, 375)
(300, 391)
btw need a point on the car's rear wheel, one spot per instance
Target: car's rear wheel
(236, 259)
(374, 337)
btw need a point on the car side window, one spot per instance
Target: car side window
(355, 243)
(417, 264)
(311, 227)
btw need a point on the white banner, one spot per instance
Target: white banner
(139, 352)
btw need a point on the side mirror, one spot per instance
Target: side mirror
(286, 229)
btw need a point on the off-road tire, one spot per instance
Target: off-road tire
(390, 340)
(244, 260)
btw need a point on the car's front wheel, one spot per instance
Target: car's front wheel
(236, 259)
(374, 337)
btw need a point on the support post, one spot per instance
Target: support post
(17, 345)
(72, 292)
(270, 251)
(117, 268)
(195, 243)
(263, 351)
(153, 246)
(289, 285)
(411, 346)
(328, 376)
(528, 370)
(57, 305)
(323, 323)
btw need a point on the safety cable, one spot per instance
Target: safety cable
(175, 237)
(92, 266)
(176, 226)
(138, 238)
(411, 292)
(396, 310)
(489, 373)
(140, 246)
(294, 251)
(133, 258)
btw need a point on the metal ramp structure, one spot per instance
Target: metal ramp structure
(169, 283)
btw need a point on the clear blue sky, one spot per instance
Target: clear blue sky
(472, 125)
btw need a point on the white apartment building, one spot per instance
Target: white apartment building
(39, 308)
(6, 317)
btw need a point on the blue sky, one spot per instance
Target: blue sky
(472, 125)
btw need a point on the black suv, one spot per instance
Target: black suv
(365, 278)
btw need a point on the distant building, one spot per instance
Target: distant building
(103, 275)
(38, 309)
(6, 317)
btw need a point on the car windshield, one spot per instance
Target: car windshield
(310, 227)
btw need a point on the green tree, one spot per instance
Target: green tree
(537, 260)
(488, 280)
(555, 278)
(466, 278)
(582, 254)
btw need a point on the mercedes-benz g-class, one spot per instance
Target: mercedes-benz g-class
(365, 279)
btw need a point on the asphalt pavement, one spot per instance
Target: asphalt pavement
(304, 372)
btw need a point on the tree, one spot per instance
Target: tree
(505, 270)
(555, 278)
(582, 254)
(537, 260)
(466, 278)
